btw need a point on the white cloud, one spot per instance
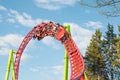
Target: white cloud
(54, 4)
(39, 68)
(81, 36)
(25, 56)
(48, 72)
(4, 51)
(34, 69)
(12, 41)
(94, 24)
(57, 69)
(3, 8)
(8, 42)
(24, 19)
(49, 41)
(10, 20)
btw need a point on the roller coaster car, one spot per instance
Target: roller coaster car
(60, 33)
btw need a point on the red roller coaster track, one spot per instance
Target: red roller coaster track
(59, 33)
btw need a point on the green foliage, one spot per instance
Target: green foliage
(109, 52)
(103, 56)
(119, 28)
(93, 57)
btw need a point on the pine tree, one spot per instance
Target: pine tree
(109, 53)
(103, 56)
(118, 43)
(117, 56)
(93, 58)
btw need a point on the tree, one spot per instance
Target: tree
(111, 55)
(102, 57)
(119, 31)
(93, 58)
(110, 8)
(117, 55)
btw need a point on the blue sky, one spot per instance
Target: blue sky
(43, 60)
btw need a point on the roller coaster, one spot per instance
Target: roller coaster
(58, 32)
